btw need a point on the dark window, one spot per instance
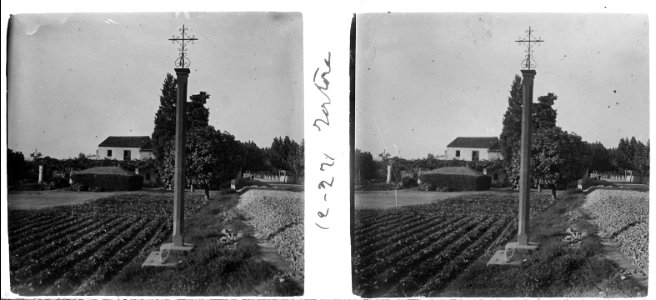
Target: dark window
(496, 176)
(474, 155)
(457, 153)
(109, 153)
(127, 155)
(148, 176)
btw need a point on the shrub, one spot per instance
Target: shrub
(108, 182)
(408, 182)
(457, 182)
(57, 183)
(429, 187)
(79, 187)
(239, 183)
(588, 182)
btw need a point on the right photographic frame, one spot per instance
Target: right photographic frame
(500, 155)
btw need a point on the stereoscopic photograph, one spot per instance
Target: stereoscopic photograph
(155, 154)
(501, 155)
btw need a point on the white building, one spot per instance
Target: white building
(474, 149)
(126, 148)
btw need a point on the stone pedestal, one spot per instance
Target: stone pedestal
(513, 254)
(168, 255)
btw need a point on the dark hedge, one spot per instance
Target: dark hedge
(457, 182)
(109, 182)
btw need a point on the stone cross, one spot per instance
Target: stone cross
(525, 159)
(528, 61)
(514, 251)
(183, 61)
(182, 73)
(171, 254)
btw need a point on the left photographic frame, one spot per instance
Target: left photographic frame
(155, 154)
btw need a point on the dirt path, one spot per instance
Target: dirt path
(612, 250)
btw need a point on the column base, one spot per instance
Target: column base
(513, 254)
(168, 255)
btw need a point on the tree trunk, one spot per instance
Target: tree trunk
(539, 189)
(192, 188)
(553, 192)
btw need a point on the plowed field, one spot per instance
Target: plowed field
(74, 250)
(416, 250)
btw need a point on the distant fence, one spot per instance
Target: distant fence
(275, 178)
(628, 178)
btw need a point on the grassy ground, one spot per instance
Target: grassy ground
(43, 199)
(214, 267)
(557, 269)
(387, 199)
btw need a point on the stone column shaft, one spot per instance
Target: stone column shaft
(179, 182)
(525, 166)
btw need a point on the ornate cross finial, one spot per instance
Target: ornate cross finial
(529, 62)
(183, 61)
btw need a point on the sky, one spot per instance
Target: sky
(424, 79)
(75, 79)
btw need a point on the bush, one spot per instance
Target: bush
(79, 187)
(408, 182)
(589, 182)
(239, 183)
(107, 182)
(457, 182)
(428, 187)
(57, 183)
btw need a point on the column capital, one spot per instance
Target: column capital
(182, 71)
(526, 73)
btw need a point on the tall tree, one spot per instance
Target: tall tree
(252, 158)
(512, 121)
(211, 157)
(543, 113)
(164, 131)
(286, 154)
(16, 166)
(197, 115)
(633, 155)
(598, 158)
(365, 167)
(557, 158)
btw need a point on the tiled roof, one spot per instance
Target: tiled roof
(491, 143)
(141, 142)
(456, 171)
(106, 170)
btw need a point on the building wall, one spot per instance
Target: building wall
(494, 155)
(466, 154)
(146, 155)
(498, 177)
(150, 176)
(117, 153)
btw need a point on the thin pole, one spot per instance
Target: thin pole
(396, 198)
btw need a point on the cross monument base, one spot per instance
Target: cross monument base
(513, 254)
(168, 255)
